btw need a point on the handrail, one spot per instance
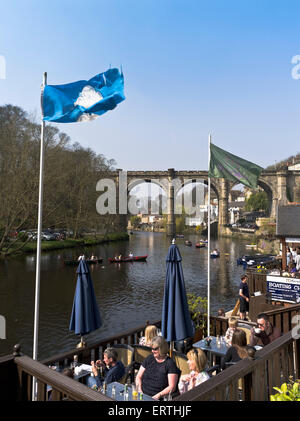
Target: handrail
(61, 385)
(84, 352)
(259, 376)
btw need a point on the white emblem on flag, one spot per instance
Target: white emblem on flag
(88, 97)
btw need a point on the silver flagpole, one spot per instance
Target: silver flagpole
(208, 244)
(38, 250)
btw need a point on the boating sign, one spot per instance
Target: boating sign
(284, 289)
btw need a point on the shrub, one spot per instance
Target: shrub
(287, 391)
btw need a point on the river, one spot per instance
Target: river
(128, 294)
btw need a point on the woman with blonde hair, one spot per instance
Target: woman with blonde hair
(150, 333)
(197, 363)
(158, 374)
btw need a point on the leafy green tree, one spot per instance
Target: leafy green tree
(257, 202)
(135, 221)
(70, 176)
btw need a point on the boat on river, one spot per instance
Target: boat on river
(73, 262)
(256, 259)
(200, 245)
(128, 259)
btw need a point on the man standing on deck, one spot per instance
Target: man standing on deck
(244, 297)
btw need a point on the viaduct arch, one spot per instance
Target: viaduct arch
(281, 186)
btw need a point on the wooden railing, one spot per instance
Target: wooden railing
(252, 380)
(273, 365)
(257, 281)
(285, 318)
(94, 351)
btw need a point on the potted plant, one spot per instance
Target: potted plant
(198, 310)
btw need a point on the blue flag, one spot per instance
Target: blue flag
(83, 100)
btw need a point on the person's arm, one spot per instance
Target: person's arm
(227, 358)
(185, 378)
(138, 380)
(242, 295)
(172, 382)
(253, 338)
(228, 336)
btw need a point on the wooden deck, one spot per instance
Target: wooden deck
(248, 380)
(272, 366)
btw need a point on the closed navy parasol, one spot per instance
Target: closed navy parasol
(85, 315)
(176, 320)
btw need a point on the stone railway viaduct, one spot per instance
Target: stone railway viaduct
(282, 186)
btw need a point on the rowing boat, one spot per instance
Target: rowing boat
(128, 259)
(200, 245)
(73, 262)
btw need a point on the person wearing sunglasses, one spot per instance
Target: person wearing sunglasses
(264, 333)
(158, 375)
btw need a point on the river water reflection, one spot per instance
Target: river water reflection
(128, 294)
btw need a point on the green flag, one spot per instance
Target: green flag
(225, 165)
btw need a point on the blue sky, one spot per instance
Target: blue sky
(191, 68)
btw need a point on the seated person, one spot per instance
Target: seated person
(215, 252)
(264, 333)
(221, 312)
(197, 363)
(150, 333)
(232, 323)
(239, 349)
(93, 257)
(158, 375)
(131, 254)
(292, 268)
(113, 370)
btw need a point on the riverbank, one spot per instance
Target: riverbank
(31, 246)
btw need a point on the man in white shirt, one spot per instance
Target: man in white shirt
(297, 259)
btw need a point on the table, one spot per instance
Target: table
(119, 395)
(214, 350)
(119, 388)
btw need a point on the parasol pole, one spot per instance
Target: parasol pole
(38, 250)
(208, 243)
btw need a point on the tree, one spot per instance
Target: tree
(257, 202)
(135, 221)
(70, 177)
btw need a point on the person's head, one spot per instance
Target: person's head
(239, 338)
(263, 321)
(233, 322)
(110, 356)
(221, 312)
(239, 341)
(160, 347)
(150, 333)
(196, 360)
(251, 353)
(244, 278)
(68, 372)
